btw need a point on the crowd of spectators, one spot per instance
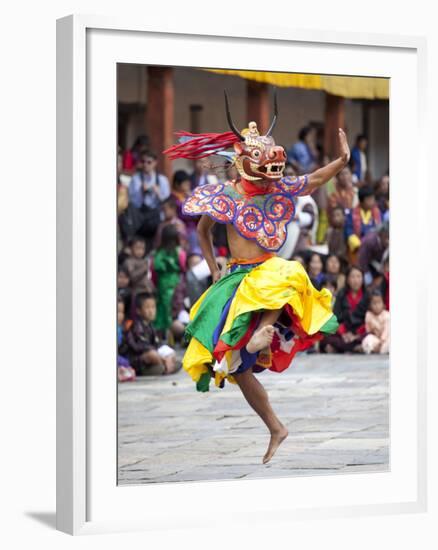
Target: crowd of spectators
(340, 234)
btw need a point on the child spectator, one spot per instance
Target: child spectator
(361, 219)
(142, 343)
(382, 194)
(181, 189)
(170, 211)
(350, 308)
(315, 270)
(120, 321)
(123, 287)
(168, 265)
(336, 233)
(371, 252)
(376, 325)
(333, 268)
(331, 286)
(137, 267)
(125, 372)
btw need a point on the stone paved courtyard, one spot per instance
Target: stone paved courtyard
(335, 407)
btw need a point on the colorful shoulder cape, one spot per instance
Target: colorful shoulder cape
(262, 218)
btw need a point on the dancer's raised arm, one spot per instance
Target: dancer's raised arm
(323, 175)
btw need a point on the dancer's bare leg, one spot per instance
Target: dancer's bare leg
(257, 398)
(262, 337)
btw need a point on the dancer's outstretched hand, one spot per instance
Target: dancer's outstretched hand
(344, 150)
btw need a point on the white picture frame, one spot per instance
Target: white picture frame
(88, 500)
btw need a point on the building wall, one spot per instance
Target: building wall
(297, 107)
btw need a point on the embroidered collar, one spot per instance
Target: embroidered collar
(260, 217)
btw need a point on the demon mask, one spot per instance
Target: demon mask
(257, 157)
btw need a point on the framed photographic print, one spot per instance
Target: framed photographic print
(227, 333)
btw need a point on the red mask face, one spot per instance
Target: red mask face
(258, 158)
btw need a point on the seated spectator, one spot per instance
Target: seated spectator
(350, 309)
(371, 251)
(125, 372)
(333, 270)
(384, 207)
(124, 291)
(137, 267)
(142, 344)
(336, 233)
(359, 159)
(382, 194)
(315, 268)
(120, 321)
(360, 220)
(303, 154)
(168, 266)
(376, 325)
(170, 213)
(331, 286)
(181, 189)
(344, 194)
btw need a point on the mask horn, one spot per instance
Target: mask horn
(230, 122)
(274, 120)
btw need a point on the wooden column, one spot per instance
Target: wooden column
(258, 106)
(334, 119)
(159, 114)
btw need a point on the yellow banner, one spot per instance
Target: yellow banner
(359, 87)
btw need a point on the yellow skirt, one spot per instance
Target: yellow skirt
(224, 317)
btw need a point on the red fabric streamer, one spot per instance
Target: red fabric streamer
(198, 146)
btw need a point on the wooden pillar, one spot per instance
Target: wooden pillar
(334, 119)
(258, 106)
(366, 103)
(159, 114)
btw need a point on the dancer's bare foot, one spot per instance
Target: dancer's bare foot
(261, 338)
(276, 438)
